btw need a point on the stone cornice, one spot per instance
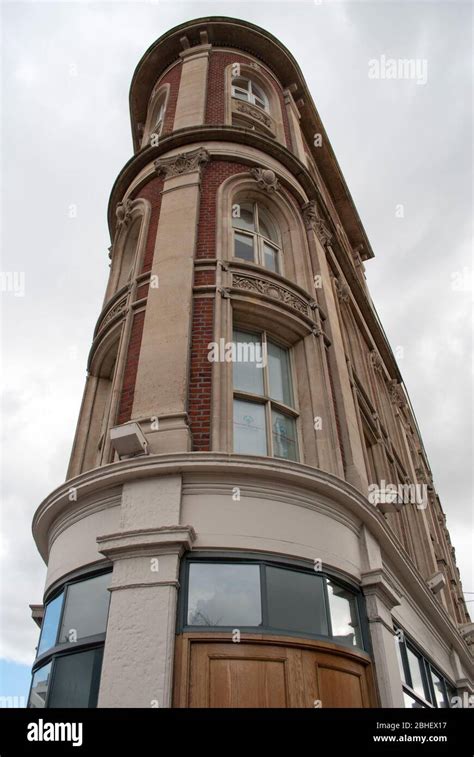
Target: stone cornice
(279, 472)
(147, 542)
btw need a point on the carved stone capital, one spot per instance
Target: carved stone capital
(266, 179)
(376, 361)
(397, 395)
(185, 162)
(342, 290)
(314, 221)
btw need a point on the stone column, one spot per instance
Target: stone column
(319, 237)
(380, 599)
(161, 387)
(137, 669)
(191, 104)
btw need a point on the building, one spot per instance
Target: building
(249, 517)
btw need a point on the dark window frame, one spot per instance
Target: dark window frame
(427, 668)
(296, 565)
(63, 649)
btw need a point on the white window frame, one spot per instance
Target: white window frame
(249, 95)
(259, 240)
(266, 400)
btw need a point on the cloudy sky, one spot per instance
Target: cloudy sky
(66, 70)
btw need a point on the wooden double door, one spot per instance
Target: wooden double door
(213, 671)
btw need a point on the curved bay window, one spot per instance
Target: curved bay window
(248, 91)
(67, 669)
(256, 236)
(265, 596)
(264, 414)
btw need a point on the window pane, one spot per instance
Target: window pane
(249, 428)
(279, 374)
(270, 257)
(438, 686)
(415, 663)
(39, 687)
(245, 219)
(76, 679)
(243, 247)
(224, 595)
(411, 702)
(295, 601)
(284, 436)
(49, 628)
(248, 363)
(398, 647)
(87, 605)
(344, 616)
(266, 226)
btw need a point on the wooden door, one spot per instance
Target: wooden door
(212, 671)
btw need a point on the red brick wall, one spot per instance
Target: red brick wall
(200, 374)
(203, 278)
(213, 176)
(215, 109)
(131, 367)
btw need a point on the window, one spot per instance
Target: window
(344, 615)
(229, 596)
(256, 236)
(69, 655)
(262, 595)
(423, 685)
(264, 418)
(248, 91)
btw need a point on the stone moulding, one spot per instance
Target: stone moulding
(314, 221)
(269, 289)
(253, 112)
(118, 309)
(185, 162)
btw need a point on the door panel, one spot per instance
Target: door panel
(269, 672)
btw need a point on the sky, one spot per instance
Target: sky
(404, 147)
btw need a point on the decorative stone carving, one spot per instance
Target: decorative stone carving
(185, 162)
(261, 286)
(118, 308)
(123, 213)
(376, 361)
(314, 221)
(255, 113)
(396, 393)
(342, 290)
(266, 179)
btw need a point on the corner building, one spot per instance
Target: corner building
(215, 543)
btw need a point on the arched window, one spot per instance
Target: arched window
(246, 90)
(129, 254)
(158, 114)
(256, 236)
(264, 415)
